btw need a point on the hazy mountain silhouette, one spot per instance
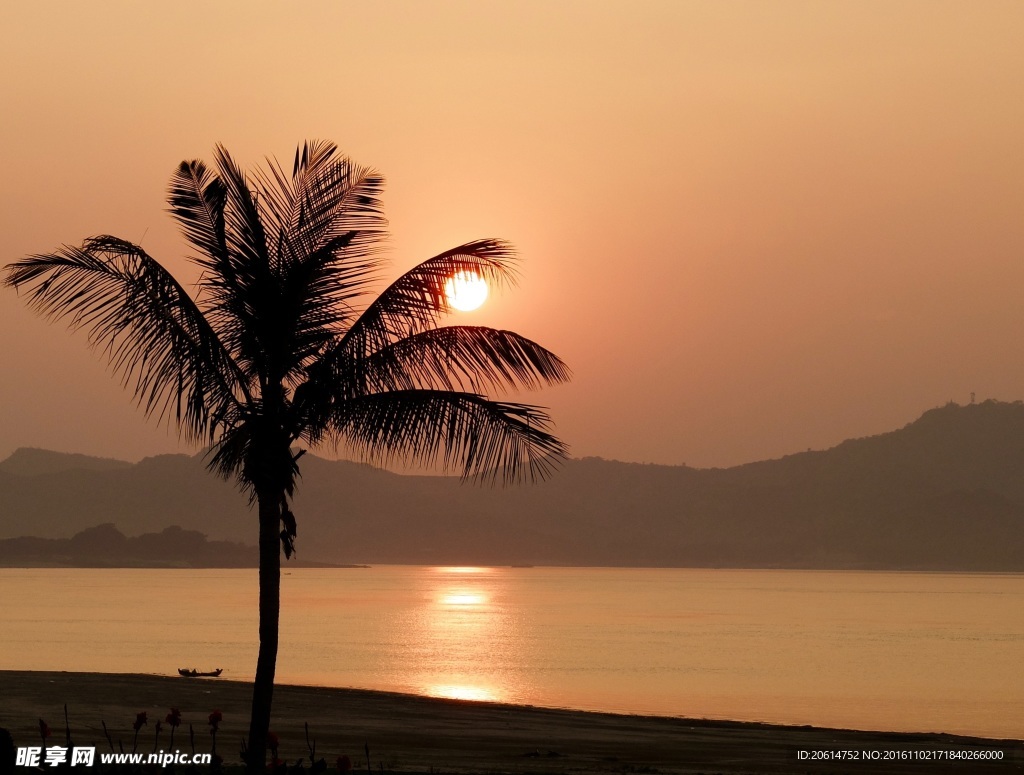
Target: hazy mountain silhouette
(944, 492)
(106, 546)
(33, 462)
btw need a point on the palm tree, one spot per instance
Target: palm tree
(277, 348)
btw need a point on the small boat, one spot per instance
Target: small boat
(193, 673)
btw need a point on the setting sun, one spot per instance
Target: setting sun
(466, 291)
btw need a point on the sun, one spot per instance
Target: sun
(466, 290)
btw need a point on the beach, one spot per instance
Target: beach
(407, 733)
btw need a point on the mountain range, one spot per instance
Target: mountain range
(946, 492)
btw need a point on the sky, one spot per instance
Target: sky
(750, 228)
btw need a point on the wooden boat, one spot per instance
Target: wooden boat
(193, 673)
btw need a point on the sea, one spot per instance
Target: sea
(923, 652)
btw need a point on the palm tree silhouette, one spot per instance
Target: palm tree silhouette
(276, 348)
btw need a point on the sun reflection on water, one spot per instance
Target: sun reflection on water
(462, 569)
(465, 636)
(463, 598)
(461, 692)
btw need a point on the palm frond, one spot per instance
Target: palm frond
(244, 295)
(472, 358)
(151, 331)
(240, 454)
(245, 233)
(300, 249)
(227, 456)
(417, 299)
(326, 226)
(325, 197)
(196, 198)
(315, 300)
(281, 191)
(487, 440)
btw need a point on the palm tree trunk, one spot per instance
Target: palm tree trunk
(270, 610)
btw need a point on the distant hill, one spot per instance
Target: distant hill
(946, 492)
(33, 462)
(106, 546)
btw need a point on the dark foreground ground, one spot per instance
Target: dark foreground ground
(415, 734)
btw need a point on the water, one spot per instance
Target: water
(864, 650)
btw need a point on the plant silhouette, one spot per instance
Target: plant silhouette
(279, 346)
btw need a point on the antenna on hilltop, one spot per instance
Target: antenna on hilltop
(972, 396)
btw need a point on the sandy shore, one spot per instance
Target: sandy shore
(416, 734)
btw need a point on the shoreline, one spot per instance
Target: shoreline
(34, 564)
(411, 733)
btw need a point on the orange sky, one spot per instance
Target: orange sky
(750, 228)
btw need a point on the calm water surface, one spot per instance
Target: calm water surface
(896, 651)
